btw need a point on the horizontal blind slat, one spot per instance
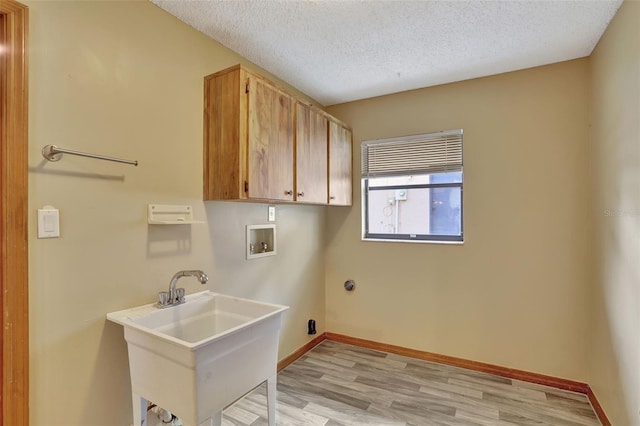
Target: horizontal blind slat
(418, 154)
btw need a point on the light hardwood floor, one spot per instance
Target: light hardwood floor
(337, 384)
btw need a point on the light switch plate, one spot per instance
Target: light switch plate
(272, 214)
(48, 222)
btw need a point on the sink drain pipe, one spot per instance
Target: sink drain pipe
(164, 416)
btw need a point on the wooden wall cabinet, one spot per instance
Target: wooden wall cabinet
(262, 144)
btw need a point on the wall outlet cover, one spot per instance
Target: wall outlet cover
(271, 216)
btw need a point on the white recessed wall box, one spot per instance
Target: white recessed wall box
(261, 241)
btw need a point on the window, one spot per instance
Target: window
(412, 188)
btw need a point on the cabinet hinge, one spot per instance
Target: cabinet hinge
(246, 186)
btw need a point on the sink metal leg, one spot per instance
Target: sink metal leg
(216, 419)
(271, 399)
(139, 410)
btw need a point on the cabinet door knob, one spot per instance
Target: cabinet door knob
(300, 194)
(333, 197)
(289, 192)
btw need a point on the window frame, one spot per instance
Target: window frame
(411, 238)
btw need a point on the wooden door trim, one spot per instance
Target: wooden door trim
(13, 206)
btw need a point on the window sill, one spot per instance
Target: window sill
(383, 240)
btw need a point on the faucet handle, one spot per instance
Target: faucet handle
(163, 298)
(180, 295)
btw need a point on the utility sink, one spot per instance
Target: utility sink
(196, 358)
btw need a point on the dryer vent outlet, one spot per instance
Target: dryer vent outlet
(349, 285)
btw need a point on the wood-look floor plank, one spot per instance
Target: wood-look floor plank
(336, 384)
(482, 420)
(376, 362)
(510, 407)
(240, 416)
(455, 401)
(416, 376)
(445, 390)
(409, 418)
(326, 391)
(371, 394)
(352, 417)
(514, 392)
(287, 414)
(332, 359)
(581, 407)
(329, 368)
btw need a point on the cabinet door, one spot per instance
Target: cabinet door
(223, 158)
(339, 165)
(270, 142)
(311, 155)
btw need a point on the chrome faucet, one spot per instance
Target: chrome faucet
(175, 296)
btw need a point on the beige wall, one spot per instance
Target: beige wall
(126, 79)
(615, 86)
(516, 293)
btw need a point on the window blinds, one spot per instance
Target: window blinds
(438, 152)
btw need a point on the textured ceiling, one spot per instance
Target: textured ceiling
(343, 50)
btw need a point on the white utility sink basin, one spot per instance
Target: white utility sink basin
(196, 358)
